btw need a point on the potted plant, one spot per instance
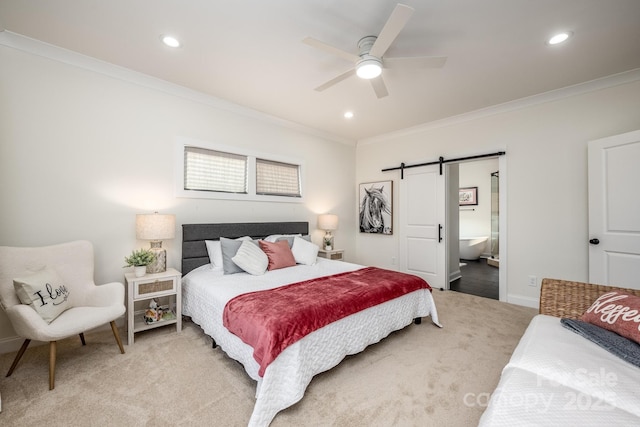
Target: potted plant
(139, 259)
(328, 243)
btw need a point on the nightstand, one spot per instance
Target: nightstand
(336, 254)
(148, 287)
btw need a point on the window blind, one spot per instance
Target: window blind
(210, 170)
(277, 179)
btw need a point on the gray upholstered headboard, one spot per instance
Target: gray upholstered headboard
(194, 249)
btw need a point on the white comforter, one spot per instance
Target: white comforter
(558, 378)
(205, 292)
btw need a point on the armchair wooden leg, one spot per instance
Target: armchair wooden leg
(116, 334)
(25, 344)
(52, 364)
(82, 338)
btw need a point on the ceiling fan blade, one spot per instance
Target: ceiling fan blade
(379, 87)
(330, 49)
(336, 80)
(415, 62)
(391, 29)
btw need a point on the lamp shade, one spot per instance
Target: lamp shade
(328, 222)
(155, 226)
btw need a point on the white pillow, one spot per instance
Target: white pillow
(251, 258)
(215, 251)
(45, 292)
(304, 251)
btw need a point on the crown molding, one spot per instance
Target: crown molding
(39, 48)
(529, 101)
(69, 57)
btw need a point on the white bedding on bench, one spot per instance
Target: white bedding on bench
(558, 378)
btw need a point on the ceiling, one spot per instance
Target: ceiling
(250, 52)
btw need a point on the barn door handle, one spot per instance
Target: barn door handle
(594, 241)
(439, 233)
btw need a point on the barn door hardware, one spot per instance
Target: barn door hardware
(441, 161)
(439, 233)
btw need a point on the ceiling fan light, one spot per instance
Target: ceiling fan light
(369, 68)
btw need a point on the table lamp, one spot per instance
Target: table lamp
(156, 227)
(328, 223)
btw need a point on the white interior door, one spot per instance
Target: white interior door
(423, 246)
(614, 210)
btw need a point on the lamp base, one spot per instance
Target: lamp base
(327, 241)
(160, 263)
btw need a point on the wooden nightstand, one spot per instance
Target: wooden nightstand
(336, 254)
(147, 287)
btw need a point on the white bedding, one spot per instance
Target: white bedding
(206, 291)
(558, 378)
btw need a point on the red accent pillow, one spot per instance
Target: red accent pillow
(618, 312)
(279, 254)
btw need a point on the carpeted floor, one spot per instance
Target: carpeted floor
(420, 376)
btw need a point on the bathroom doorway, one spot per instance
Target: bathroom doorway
(478, 229)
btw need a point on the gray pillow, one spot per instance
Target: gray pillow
(229, 249)
(290, 238)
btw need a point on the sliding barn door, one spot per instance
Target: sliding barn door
(422, 225)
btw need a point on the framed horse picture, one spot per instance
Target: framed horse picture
(376, 207)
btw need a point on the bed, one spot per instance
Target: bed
(207, 290)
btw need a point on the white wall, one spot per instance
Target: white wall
(476, 220)
(545, 139)
(82, 152)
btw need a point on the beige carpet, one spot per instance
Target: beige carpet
(420, 376)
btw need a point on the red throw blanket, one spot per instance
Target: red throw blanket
(271, 320)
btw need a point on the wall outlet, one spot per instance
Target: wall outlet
(393, 260)
(533, 281)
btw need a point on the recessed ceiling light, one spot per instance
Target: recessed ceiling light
(170, 41)
(558, 38)
(348, 115)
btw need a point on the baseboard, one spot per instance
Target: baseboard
(454, 275)
(13, 344)
(524, 301)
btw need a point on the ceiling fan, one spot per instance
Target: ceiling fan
(370, 60)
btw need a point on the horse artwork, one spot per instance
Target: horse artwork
(376, 207)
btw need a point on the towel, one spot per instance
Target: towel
(616, 344)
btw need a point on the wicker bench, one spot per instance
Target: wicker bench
(563, 298)
(557, 377)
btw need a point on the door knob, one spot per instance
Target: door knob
(594, 241)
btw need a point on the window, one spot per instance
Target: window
(207, 170)
(277, 179)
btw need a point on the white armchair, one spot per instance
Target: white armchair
(91, 305)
